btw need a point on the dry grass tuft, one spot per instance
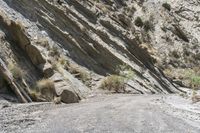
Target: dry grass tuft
(47, 89)
(57, 100)
(16, 71)
(80, 74)
(118, 82)
(64, 62)
(35, 95)
(43, 42)
(113, 83)
(54, 52)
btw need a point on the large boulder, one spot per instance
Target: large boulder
(64, 89)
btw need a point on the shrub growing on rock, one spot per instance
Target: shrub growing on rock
(118, 82)
(80, 74)
(64, 62)
(16, 71)
(195, 81)
(35, 95)
(148, 26)
(43, 42)
(46, 88)
(138, 22)
(125, 71)
(54, 51)
(113, 83)
(167, 6)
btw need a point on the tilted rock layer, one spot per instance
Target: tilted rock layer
(94, 38)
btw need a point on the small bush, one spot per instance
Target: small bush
(118, 82)
(138, 22)
(16, 71)
(80, 74)
(43, 42)
(167, 6)
(195, 81)
(64, 62)
(54, 51)
(175, 54)
(35, 96)
(46, 88)
(125, 71)
(148, 26)
(113, 83)
(57, 100)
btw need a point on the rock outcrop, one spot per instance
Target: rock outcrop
(45, 38)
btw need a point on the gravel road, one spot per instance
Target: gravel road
(110, 113)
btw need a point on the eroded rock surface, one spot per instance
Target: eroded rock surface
(96, 37)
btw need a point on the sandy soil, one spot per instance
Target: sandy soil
(108, 113)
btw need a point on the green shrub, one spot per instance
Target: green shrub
(195, 81)
(118, 82)
(138, 22)
(175, 54)
(113, 83)
(148, 26)
(125, 71)
(167, 6)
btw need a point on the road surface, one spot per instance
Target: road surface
(105, 114)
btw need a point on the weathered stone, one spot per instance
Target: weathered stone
(98, 37)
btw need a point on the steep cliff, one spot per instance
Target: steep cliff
(78, 43)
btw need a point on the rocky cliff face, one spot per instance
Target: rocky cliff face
(77, 43)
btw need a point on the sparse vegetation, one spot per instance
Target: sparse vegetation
(57, 100)
(139, 22)
(195, 85)
(54, 51)
(189, 77)
(125, 71)
(47, 89)
(64, 62)
(75, 70)
(195, 81)
(130, 10)
(16, 71)
(167, 6)
(175, 54)
(113, 83)
(148, 26)
(80, 74)
(117, 82)
(44, 42)
(35, 95)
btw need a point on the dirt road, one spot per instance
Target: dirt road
(110, 113)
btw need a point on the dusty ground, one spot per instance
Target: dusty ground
(107, 113)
